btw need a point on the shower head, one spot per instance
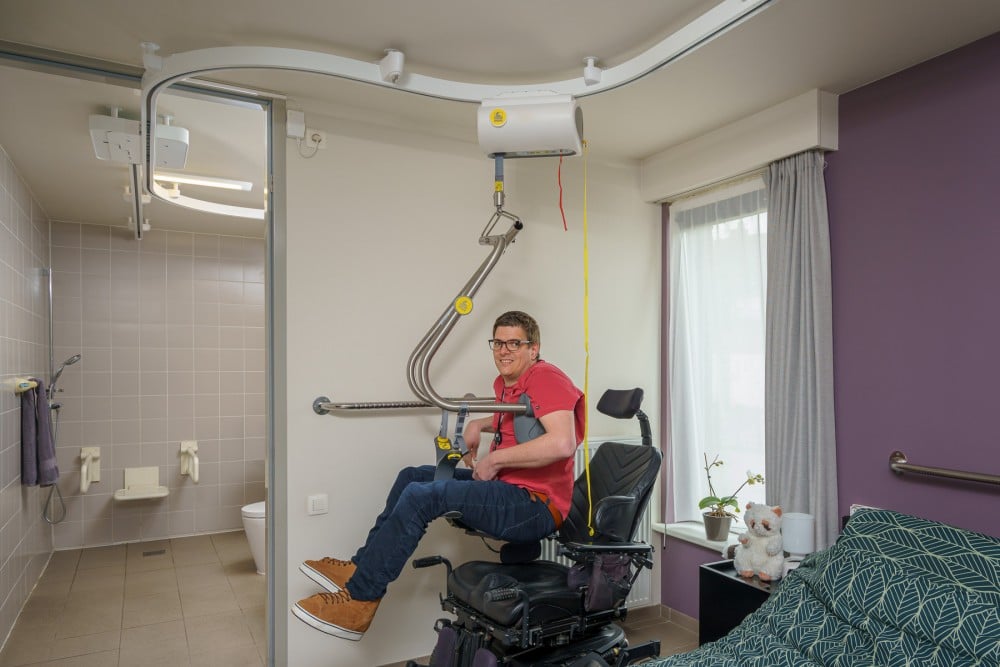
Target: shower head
(69, 362)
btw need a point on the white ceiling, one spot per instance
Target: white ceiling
(789, 47)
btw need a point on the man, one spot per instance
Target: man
(515, 491)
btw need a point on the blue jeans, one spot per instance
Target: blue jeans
(499, 509)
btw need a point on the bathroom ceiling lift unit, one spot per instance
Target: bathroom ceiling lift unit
(164, 71)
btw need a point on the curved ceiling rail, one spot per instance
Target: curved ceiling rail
(161, 72)
(418, 366)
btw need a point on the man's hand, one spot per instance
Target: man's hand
(485, 468)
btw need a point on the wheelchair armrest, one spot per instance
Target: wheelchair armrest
(588, 548)
(614, 516)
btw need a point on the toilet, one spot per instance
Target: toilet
(253, 524)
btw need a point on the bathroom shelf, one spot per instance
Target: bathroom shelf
(141, 484)
(141, 492)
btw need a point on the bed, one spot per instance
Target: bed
(893, 590)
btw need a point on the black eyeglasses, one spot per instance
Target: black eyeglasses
(512, 345)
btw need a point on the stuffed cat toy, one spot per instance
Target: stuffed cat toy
(759, 549)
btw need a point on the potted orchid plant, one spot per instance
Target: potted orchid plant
(719, 518)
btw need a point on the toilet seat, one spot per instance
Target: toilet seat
(255, 511)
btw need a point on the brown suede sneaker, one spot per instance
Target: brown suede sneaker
(330, 573)
(337, 614)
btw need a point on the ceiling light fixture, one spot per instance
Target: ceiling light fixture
(207, 181)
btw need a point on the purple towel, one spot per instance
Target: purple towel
(38, 450)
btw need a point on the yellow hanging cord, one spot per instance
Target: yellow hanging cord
(586, 347)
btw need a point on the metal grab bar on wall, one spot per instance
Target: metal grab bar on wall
(418, 366)
(899, 465)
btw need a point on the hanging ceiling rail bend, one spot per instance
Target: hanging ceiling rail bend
(163, 71)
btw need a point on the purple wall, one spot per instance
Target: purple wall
(914, 202)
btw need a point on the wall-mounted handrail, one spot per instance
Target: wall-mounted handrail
(418, 366)
(899, 465)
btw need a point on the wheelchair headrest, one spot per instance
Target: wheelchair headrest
(620, 403)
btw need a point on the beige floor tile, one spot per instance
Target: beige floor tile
(83, 645)
(217, 632)
(152, 609)
(27, 646)
(256, 620)
(153, 582)
(194, 577)
(79, 622)
(238, 656)
(101, 557)
(62, 565)
(110, 579)
(103, 659)
(209, 600)
(157, 644)
(154, 559)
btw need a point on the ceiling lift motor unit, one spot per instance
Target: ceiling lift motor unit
(118, 140)
(535, 126)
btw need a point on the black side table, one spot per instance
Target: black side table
(725, 599)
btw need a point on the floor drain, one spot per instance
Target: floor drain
(158, 552)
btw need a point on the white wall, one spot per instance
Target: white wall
(382, 232)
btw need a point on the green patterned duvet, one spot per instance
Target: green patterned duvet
(894, 590)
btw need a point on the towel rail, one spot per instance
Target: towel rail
(899, 465)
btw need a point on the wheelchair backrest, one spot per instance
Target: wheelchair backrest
(621, 480)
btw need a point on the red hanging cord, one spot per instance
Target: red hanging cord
(559, 178)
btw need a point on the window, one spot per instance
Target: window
(718, 278)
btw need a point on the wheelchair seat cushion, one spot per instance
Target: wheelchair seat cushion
(544, 582)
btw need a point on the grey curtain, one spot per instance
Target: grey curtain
(800, 438)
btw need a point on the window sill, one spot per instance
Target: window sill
(693, 532)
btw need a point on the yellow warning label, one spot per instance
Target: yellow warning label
(498, 117)
(498, 186)
(463, 305)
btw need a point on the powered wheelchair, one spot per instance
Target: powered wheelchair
(522, 611)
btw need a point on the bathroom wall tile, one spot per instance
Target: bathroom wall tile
(206, 291)
(231, 337)
(255, 404)
(94, 359)
(207, 383)
(231, 472)
(207, 492)
(94, 383)
(98, 505)
(94, 334)
(231, 360)
(253, 294)
(180, 382)
(66, 260)
(124, 267)
(152, 359)
(253, 316)
(153, 335)
(231, 270)
(206, 245)
(154, 242)
(95, 433)
(231, 450)
(95, 304)
(254, 338)
(153, 431)
(208, 450)
(253, 271)
(206, 268)
(181, 407)
(180, 335)
(180, 429)
(127, 456)
(231, 247)
(126, 528)
(124, 311)
(231, 382)
(206, 406)
(153, 407)
(126, 431)
(95, 236)
(232, 427)
(123, 239)
(183, 498)
(230, 292)
(254, 471)
(204, 360)
(67, 534)
(125, 384)
(65, 284)
(65, 234)
(154, 384)
(230, 314)
(98, 531)
(152, 273)
(206, 314)
(95, 263)
(231, 494)
(253, 361)
(180, 243)
(125, 334)
(206, 427)
(206, 337)
(125, 360)
(96, 408)
(153, 311)
(232, 405)
(254, 447)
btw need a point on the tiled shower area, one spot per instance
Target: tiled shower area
(171, 329)
(171, 336)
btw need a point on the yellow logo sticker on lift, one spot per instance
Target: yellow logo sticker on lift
(463, 305)
(498, 117)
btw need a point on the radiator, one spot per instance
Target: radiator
(641, 593)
